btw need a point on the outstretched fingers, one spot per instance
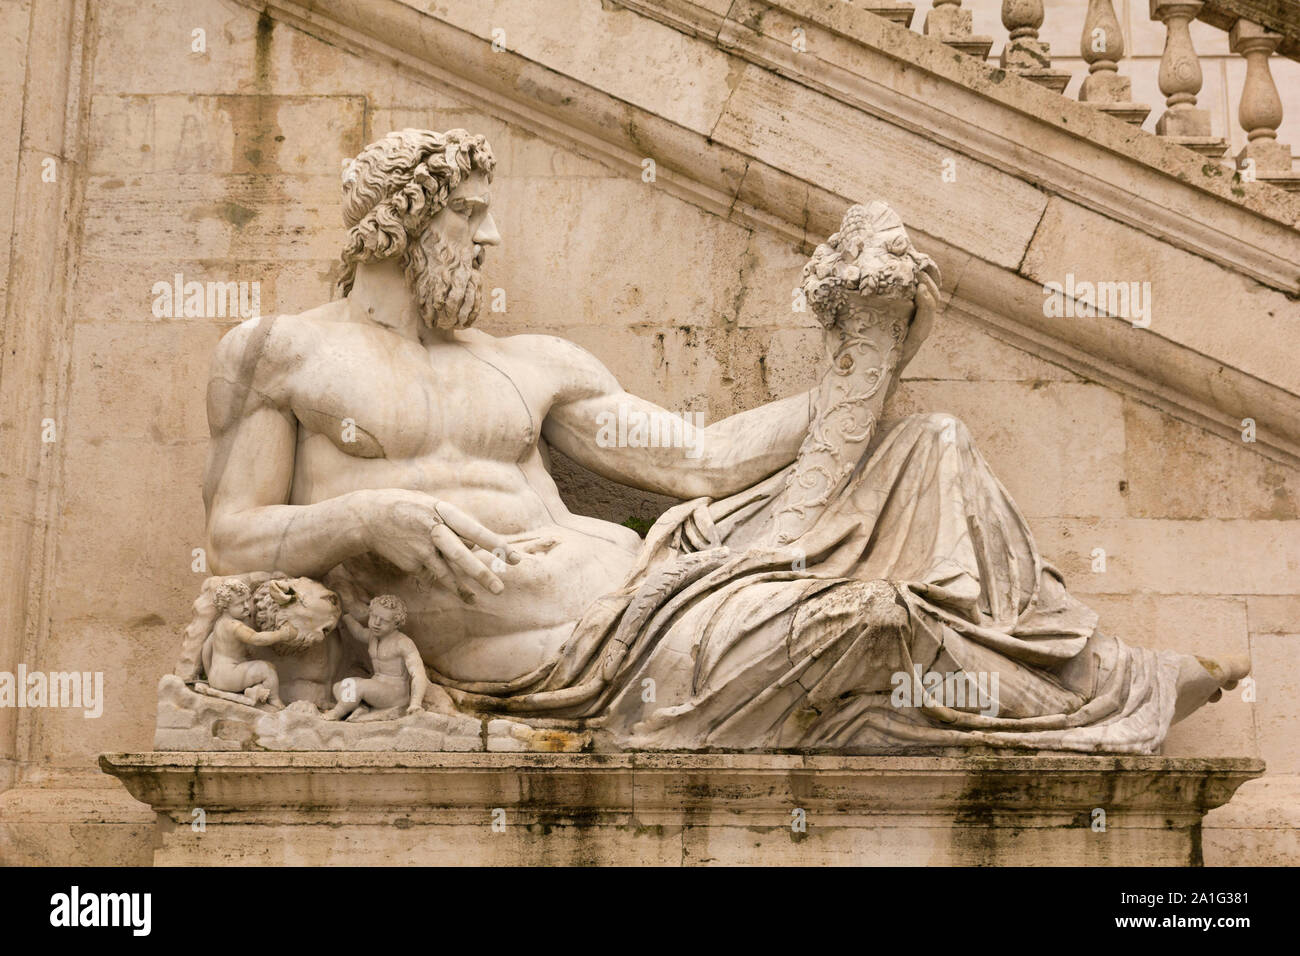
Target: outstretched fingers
(473, 532)
(462, 561)
(443, 575)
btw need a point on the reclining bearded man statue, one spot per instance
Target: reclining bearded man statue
(818, 563)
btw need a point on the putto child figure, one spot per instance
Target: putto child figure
(398, 672)
(226, 656)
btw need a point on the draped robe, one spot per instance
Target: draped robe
(923, 563)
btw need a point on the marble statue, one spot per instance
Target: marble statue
(225, 654)
(397, 680)
(820, 558)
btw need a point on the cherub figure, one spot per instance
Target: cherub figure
(226, 657)
(398, 671)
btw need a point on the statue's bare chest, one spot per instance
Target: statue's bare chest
(401, 400)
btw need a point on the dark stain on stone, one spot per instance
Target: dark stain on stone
(262, 55)
(232, 212)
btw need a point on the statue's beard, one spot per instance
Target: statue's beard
(445, 280)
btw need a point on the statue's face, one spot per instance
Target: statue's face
(445, 272)
(241, 608)
(382, 621)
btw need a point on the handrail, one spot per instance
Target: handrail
(1257, 30)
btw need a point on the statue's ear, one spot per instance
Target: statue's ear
(281, 593)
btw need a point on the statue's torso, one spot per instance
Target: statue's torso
(459, 421)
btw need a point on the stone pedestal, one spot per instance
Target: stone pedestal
(258, 808)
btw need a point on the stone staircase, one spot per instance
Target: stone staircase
(1256, 32)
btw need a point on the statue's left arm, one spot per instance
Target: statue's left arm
(592, 412)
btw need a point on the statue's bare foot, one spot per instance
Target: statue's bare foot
(1203, 680)
(257, 695)
(358, 713)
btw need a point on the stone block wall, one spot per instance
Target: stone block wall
(225, 167)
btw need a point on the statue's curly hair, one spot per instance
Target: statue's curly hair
(396, 185)
(870, 255)
(228, 592)
(391, 602)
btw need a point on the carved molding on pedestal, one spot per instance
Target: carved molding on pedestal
(668, 809)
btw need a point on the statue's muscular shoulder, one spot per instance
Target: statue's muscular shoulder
(258, 356)
(568, 371)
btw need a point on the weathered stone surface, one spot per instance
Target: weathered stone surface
(1175, 470)
(641, 809)
(511, 736)
(139, 135)
(1207, 626)
(870, 157)
(1182, 309)
(75, 826)
(1261, 827)
(1231, 556)
(1277, 693)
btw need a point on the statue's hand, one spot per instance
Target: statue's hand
(289, 640)
(431, 538)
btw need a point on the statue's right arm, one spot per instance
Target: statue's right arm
(250, 635)
(251, 526)
(354, 628)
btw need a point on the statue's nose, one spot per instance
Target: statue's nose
(487, 234)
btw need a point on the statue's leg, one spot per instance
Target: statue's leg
(264, 675)
(343, 707)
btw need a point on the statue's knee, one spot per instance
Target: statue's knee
(941, 427)
(881, 604)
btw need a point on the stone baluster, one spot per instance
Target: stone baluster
(1024, 53)
(1180, 80)
(1260, 111)
(948, 23)
(1102, 46)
